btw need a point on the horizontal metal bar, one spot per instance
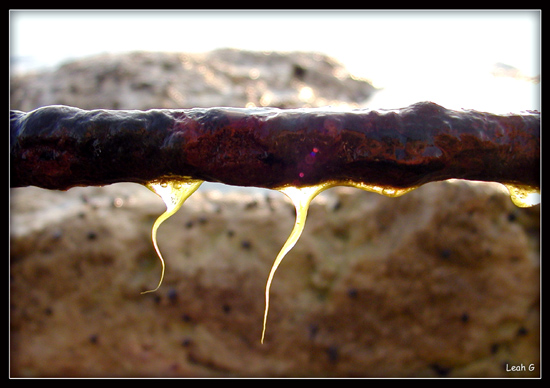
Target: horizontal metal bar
(58, 147)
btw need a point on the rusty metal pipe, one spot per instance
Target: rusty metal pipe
(58, 147)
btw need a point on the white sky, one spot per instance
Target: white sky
(430, 52)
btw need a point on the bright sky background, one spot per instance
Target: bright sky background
(443, 56)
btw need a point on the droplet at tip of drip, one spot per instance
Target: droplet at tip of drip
(149, 291)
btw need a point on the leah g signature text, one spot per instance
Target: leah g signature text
(520, 368)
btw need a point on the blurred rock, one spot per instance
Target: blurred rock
(225, 77)
(442, 281)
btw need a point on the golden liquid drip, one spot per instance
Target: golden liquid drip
(524, 196)
(301, 197)
(386, 191)
(173, 193)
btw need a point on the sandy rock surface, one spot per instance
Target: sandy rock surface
(443, 281)
(225, 77)
(440, 282)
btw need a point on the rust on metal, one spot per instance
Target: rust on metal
(58, 147)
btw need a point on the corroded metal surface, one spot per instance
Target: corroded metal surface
(58, 147)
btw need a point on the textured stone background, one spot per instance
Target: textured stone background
(443, 281)
(225, 77)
